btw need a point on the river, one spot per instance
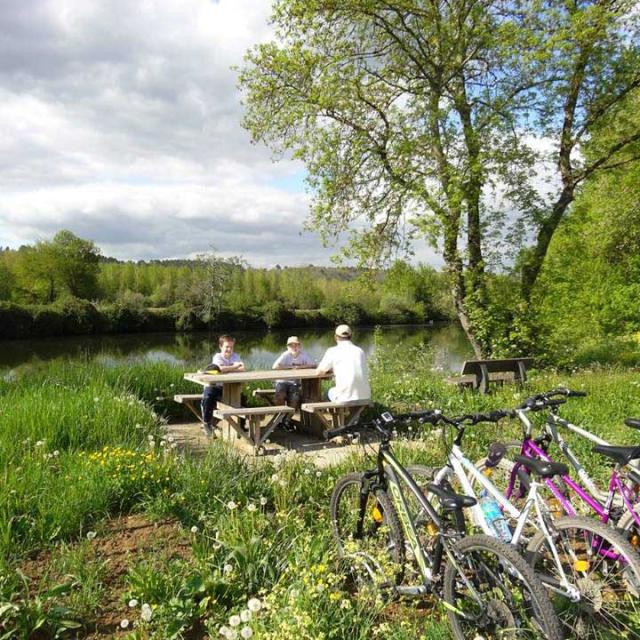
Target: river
(445, 344)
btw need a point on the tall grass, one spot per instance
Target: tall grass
(79, 442)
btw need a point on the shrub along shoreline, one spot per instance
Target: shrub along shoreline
(81, 443)
(73, 316)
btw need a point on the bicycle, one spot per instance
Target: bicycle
(488, 589)
(592, 572)
(620, 504)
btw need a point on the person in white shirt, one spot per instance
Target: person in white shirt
(349, 366)
(293, 358)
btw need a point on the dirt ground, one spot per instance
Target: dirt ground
(122, 543)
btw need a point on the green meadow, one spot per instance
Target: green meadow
(83, 446)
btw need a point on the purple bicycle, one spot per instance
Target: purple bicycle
(619, 506)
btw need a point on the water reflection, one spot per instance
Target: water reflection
(446, 345)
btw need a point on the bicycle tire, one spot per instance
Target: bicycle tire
(384, 538)
(529, 615)
(599, 614)
(629, 529)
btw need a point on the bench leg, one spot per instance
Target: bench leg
(196, 412)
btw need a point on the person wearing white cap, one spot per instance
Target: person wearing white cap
(293, 358)
(349, 366)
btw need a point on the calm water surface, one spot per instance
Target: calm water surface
(446, 345)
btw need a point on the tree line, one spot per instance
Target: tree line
(65, 285)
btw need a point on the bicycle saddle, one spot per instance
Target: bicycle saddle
(622, 455)
(633, 422)
(543, 468)
(449, 500)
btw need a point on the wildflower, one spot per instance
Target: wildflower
(223, 631)
(245, 615)
(133, 603)
(283, 483)
(40, 443)
(251, 507)
(345, 604)
(254, 605)
(146, 612)
(227, 568)
(170, 438)
(307, 472)
(91, 535)
(318, 474)
(263, 501)
(124, 623)
(231, 505)
(274, 477)
(55, 453)
(194, 529)
(246, 632)
(96, 399)
(234, 621)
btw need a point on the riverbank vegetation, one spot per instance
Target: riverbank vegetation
(64, 287)
(90, 479)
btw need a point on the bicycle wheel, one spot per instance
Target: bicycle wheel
(514, 603)
(629, 529)
(373, 550)
(603, 568)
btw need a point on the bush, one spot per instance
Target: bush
(276, 314)
(16, 321)
(349, 312)
(78, 317)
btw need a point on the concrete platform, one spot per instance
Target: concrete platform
(190, 437)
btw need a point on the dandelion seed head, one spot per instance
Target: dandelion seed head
(263, 501)
(133, 603)
(124, 623)
(245, 615)
(254, 605)
(227, 568)
(234, 621)
(251, 507)
(231, 505)
(194, 529)
(146, 613)
(246, 632)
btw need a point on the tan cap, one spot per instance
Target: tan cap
(343, 331)
(293, 340)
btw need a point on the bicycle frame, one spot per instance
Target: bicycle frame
(459, 465)
(616, 484)
(396, 476)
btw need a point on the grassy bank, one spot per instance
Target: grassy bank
(82, 444)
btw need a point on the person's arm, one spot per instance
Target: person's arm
(326, 364)
(234, 367)
(280, 362)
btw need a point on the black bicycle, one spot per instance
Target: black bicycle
(388, 533)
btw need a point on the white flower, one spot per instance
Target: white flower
(55, 453)
(231, 505)
(91, 535)
(163, 443)
(170, 438)
(40, 443)
(251, 507)
(254, 605)
(146, 613)
(234, 621)
(227, 568)
(263, 501)
(318, 474)
(223, 631)
(274, 477)
(133, 603)
(194, 529)
(283, 483)
(245, 615)
(96, 399)
(124, 623)
(307, 472)
(246, 632)
(150, 437)
(232, 634)
(174, 445)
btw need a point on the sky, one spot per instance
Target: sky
(120, 121)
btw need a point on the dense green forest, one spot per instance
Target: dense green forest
(65, 286)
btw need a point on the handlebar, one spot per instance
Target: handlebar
(553, 398)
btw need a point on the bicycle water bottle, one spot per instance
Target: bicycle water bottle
(495, 518)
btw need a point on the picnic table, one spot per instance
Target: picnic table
(230, 407)
(479, 374)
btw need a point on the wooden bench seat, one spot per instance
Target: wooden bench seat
(265, 394)
(256, 433)
(192, 402)
(479, 374)
(337, 414)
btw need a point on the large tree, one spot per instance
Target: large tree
(413, 117)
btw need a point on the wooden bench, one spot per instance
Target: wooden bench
(479, 374)
(192, 401)
(256, 433)
(337, 414)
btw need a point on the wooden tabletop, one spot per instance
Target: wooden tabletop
(252, 376)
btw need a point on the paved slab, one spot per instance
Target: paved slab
(190, 437)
